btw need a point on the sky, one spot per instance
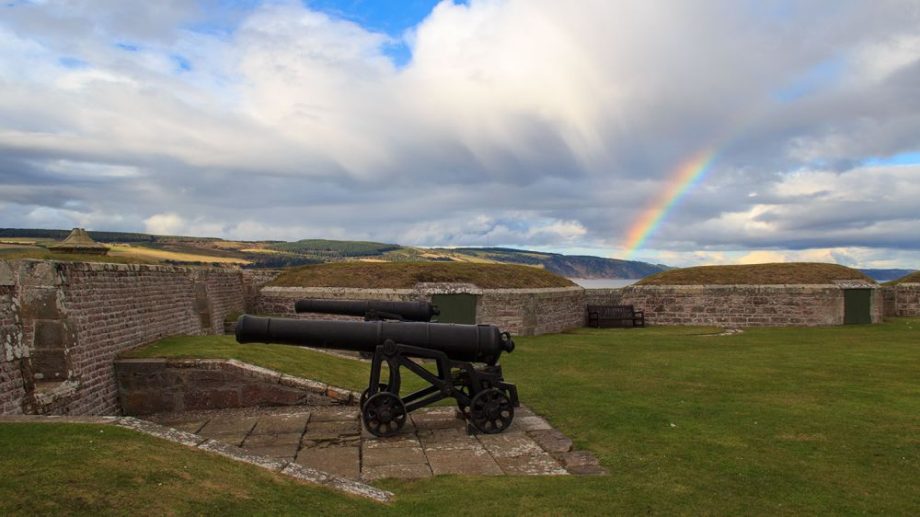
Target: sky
(674, 132)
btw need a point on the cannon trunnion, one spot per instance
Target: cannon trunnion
(465, 359)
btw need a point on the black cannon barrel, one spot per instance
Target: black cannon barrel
(474, 343)
(414, 311)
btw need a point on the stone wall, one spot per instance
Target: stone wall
(602, 296)
(148, 386)
(531, 312)
(279, 301)
(13, 355)
(253, 282)
(741, 305)
(902, 299)
(74, 318)
(524, 312)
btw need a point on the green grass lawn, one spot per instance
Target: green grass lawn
(771, 421)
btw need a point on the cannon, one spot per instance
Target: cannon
(372, 310)
(465, 358)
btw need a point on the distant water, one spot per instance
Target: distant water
(604, 283)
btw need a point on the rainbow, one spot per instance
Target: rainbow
(687, 175)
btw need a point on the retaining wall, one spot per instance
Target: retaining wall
(740, 305)
(72, 320)
(524, 312)
(148, 386)
(902, 299)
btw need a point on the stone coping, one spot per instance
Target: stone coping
(843, 285)
(117, 266)
(286, 468)
(418, 289)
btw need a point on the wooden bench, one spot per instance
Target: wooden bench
(605, 316)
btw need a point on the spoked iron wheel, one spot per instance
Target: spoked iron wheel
(384, 414)
(366, 393)
(491, 411)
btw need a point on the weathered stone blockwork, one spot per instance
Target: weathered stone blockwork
(253, 282)
(736, 305)
(12, 352)
(902, 299)
(531, 312)
(147, 386)
(519, 311)
(74, 318)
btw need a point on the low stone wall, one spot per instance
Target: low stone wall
(523, 312)
(147, 386)
(602, 296)
(279, 301)
(531, 312)
(741, 305)
(902, 299)
(63, 323)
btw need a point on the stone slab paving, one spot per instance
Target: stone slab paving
(434, 441)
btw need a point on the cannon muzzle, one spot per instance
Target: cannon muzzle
(371, 309)
(473, 343)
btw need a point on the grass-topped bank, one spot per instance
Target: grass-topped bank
(404, 275)
(757, 274)
(913, 278)
(791, 421)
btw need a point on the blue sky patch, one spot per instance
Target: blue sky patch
(72, 62)
(908, 158)
(819, 77)
(128, 47)
(182, 63)
(391, 17)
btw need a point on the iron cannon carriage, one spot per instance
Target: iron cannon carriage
(465, 358)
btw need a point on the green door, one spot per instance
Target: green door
(856, 306)
(456, 308)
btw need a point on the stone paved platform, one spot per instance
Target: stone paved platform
(434, 441)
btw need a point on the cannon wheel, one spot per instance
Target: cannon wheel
(364, 394)
(384, 414)
(491, 411)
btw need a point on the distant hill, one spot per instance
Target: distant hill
(336, 248)
(885, 275)
(571, 266)
(173, 249)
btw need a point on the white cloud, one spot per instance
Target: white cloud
(165, 224)
(531, 123)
